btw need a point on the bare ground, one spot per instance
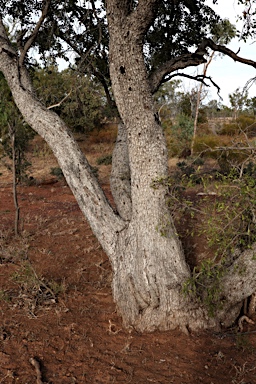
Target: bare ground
(56, 305)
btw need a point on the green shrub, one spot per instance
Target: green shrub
(205, 145)
(229, 129)
(181, 135)
(223, 219)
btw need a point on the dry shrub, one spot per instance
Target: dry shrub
(203, 129)
(106, 134)
(242, 123)
(205, 145)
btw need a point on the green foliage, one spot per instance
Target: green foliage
(238, 100)
(185, 105)
(223, 32)
(204, 145)
(181, 135)
(82, 26)
(164, 38)
(243, 123)
(230, 214)
(12, 126)
(224, 217)
(204, 285)
(78, 100)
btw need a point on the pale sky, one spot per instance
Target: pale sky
(229, 75)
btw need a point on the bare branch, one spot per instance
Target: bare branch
(33, 35)
(60, 102)
(157, 77)
(221, 48)
(160, 75)
(200, 78)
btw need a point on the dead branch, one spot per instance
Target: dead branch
(158, 77)
(61, 101)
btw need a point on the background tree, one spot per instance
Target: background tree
(222, 33)
(15, 136)
(238, 101)
(149, 266)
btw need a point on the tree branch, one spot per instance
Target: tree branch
(137, 19)
(105, 223)
(157, 77)
(221, 48)
(32, 37)
(200, 78)
(61, 101)
(143, 15)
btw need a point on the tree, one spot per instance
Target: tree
(222, 33)
(15, 136)
(149, 266)
(167, 99)
(238, 100)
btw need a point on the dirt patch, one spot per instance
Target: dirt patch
(56, 306)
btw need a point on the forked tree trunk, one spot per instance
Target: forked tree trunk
(140, 240)
(149, 268)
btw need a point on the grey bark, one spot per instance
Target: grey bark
(120, 180)
(148, 262)
(90, 197)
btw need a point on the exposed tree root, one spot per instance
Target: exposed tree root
(36, 365)
(241, 320)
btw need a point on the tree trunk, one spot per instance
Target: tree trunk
(148, 262)
(120, 180)
(150, 268)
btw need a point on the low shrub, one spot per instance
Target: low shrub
(243, 123)
(106, 134)
(56, 171)
(104, 160)
(205, 145)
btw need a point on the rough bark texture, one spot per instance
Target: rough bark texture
(90, 197)
(148, 262)
(120, 180)
(150, 268)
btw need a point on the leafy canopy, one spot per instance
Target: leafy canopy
(77, 31)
